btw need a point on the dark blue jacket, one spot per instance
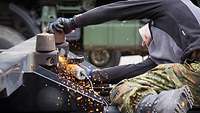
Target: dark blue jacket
(180, 19)
(175, 28)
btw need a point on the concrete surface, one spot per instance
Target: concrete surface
(131, 59)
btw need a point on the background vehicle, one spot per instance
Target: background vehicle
(103, 44)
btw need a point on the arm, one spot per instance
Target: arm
(118, 73)
(130, 9)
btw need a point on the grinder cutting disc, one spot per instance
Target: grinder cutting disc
(75, 60)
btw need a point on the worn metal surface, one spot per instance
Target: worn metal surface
(12, 64)
(22, 81)
(17, 60)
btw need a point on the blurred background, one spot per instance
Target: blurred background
(102, 45)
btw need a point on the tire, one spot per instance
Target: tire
(88, 4)
(103, 58)
(23, 22)
(9, 37)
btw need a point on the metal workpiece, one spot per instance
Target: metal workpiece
(13, 63)
(63, 48)
(30, 81)
(47, 58)
(46, 53)
(27, 78)
(43, 90)
(79, 99)
(45, 42)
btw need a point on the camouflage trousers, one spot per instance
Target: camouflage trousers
(129, 92)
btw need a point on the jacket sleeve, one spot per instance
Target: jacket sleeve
(130, 9)
(118, 73)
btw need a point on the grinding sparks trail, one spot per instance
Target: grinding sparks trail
(66, 70)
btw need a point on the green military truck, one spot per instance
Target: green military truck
(104, 44)
(112, 40)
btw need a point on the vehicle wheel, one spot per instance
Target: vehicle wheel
(9, 37)
(88, 4)
(104, 58)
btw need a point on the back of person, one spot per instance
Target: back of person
(177, 26)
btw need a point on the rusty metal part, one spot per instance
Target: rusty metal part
(59, 37)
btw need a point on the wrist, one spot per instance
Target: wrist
(73, 22)
(69, 25)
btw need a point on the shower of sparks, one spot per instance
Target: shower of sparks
(66, 70)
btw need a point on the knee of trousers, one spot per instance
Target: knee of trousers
(118, 92)
(172, 101)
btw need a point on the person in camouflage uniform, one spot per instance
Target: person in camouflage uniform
(170, 74)
(129, 92)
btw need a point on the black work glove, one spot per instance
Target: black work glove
(99, 76)
(62, 24)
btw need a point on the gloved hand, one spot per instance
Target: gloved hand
(80, 73)
(76, 71)
(98, 76)
(62, 24)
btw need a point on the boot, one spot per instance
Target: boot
(172, 101)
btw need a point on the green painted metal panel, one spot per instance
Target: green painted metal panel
(124, 33)
(96, 35)
(113, 34)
